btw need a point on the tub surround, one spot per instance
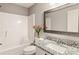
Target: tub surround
(12, 50)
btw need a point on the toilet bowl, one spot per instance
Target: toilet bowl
(30, 50)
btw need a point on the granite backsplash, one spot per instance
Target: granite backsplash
(64, 41)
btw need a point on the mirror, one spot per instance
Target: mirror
(64, 18)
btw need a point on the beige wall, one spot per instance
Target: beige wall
(38, 10)
(13, 9)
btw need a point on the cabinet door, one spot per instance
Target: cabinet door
(40, 51)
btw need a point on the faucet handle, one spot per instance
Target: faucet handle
(48, 37)
(0, 43)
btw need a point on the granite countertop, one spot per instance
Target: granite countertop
(55, 48)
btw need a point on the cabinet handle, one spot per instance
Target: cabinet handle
(45, 54)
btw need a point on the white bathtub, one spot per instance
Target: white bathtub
(12, 50)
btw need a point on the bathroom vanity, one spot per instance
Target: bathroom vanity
(64, 21)
(55, 47)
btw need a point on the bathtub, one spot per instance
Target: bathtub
(12, 50)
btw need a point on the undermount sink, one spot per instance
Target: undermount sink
(56, 48)
(64, 49)
(52, 45)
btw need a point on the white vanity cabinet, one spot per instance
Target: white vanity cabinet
(41, 52)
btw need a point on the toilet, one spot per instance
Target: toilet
(30, 50)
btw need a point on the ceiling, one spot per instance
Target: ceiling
(26, 5)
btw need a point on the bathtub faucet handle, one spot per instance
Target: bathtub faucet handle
(0, 43)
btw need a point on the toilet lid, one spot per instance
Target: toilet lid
(30, 48)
